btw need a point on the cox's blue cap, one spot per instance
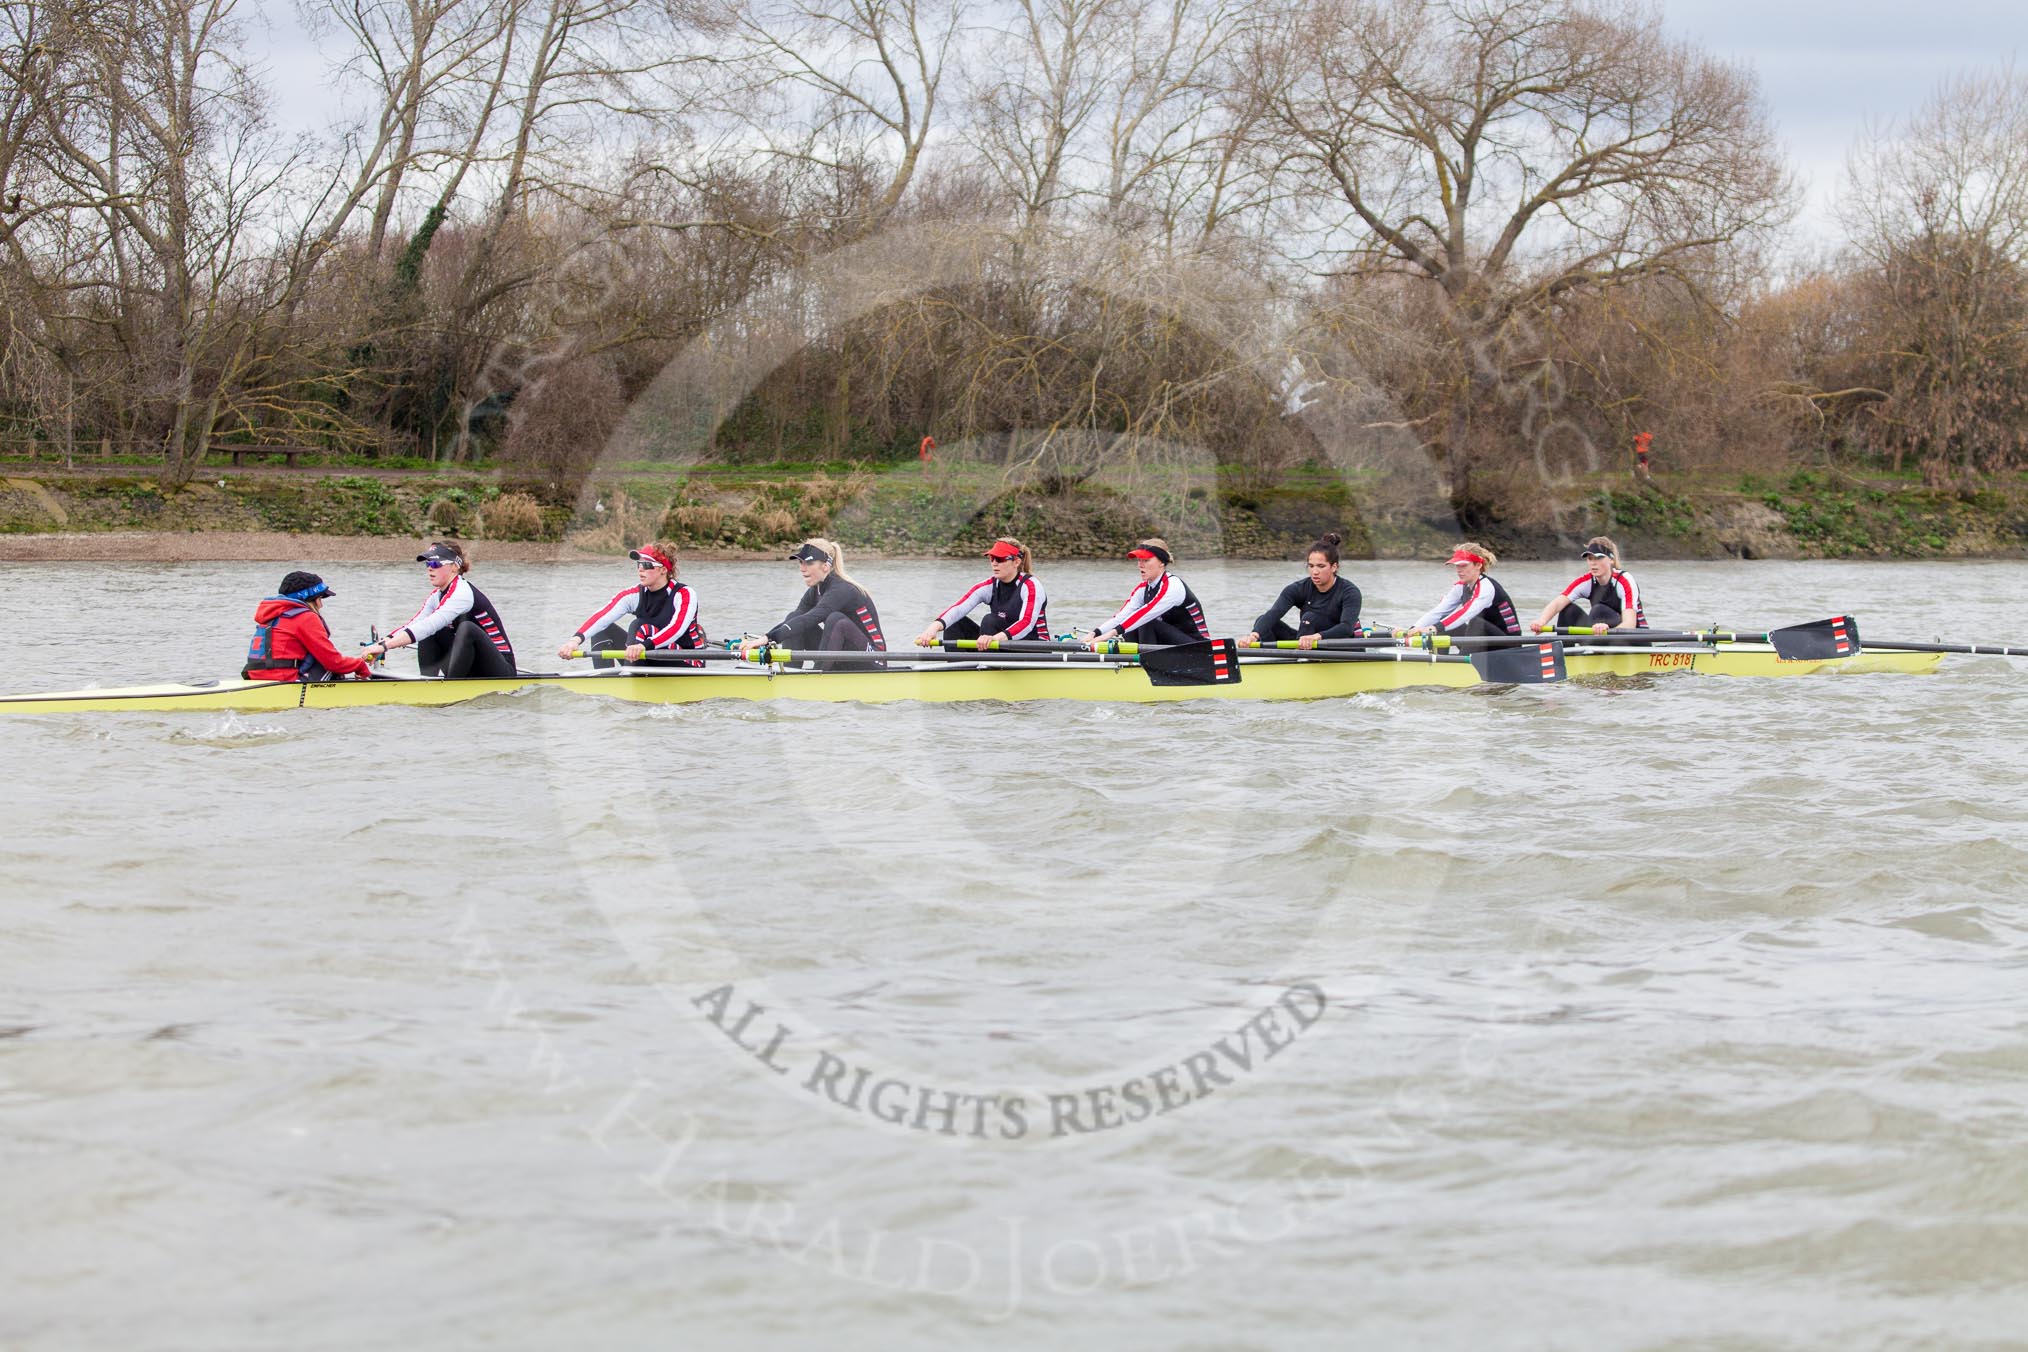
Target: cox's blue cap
(301, 586)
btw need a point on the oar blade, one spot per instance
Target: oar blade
(1535, 664)
(1215, 662)
(1817, 641)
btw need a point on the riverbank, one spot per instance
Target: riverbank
(370, 515)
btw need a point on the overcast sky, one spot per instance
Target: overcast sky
(1826, 65)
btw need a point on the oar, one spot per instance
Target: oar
(1025, 645)
(785, 656)
(1817, 641)
(1215, 662)
(1388, 654)
(1538, 663)
(1209, 663)
(1974, 649)
(1348, 644)
(766, 654)
(1535, 665)
(662, 656)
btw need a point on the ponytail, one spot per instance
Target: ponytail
(837, 553)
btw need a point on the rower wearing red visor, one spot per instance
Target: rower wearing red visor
(1162, 609)
(1476, 604)
(1009, 603)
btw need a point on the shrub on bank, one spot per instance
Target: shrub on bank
(511, 516)
(446, 517)
(693, 523)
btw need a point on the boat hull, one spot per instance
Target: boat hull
(1265, 680)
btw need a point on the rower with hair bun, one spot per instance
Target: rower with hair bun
(1327, 605)
(456, 632)
(1601, 599)
(1010, 602)
(1475, 605)
(1161, 610)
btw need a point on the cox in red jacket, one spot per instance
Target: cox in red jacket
(293, 630)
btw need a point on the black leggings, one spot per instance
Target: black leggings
(463, 650)
(1574, 616)
(1482, 626)
(1161, 631)
(842, 635)
(611, 637)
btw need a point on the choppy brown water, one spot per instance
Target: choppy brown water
(1667, 1013)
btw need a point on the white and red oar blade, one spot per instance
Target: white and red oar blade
(1817, 641)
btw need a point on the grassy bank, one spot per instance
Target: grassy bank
(957, 509)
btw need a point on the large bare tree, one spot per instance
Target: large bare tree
(1938, 212)
(1505, 154)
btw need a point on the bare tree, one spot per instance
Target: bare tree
(1038, 80)
(849, 88)
(431, 66)
(1938, 212)
(1506, 154)
(153, 128)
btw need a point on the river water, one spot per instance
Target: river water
(1662, 1013)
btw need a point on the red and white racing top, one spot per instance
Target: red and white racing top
(1629, 595)
(1020, 604)
(1152, 600)
(663, 618)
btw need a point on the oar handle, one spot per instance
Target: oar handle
(1972, 649)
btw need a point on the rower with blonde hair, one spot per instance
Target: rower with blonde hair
(1602, 598)
(1162, 609)
(1475, 604)
(1013, 603)
(835, 614)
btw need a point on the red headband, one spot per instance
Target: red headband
(650, 554)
